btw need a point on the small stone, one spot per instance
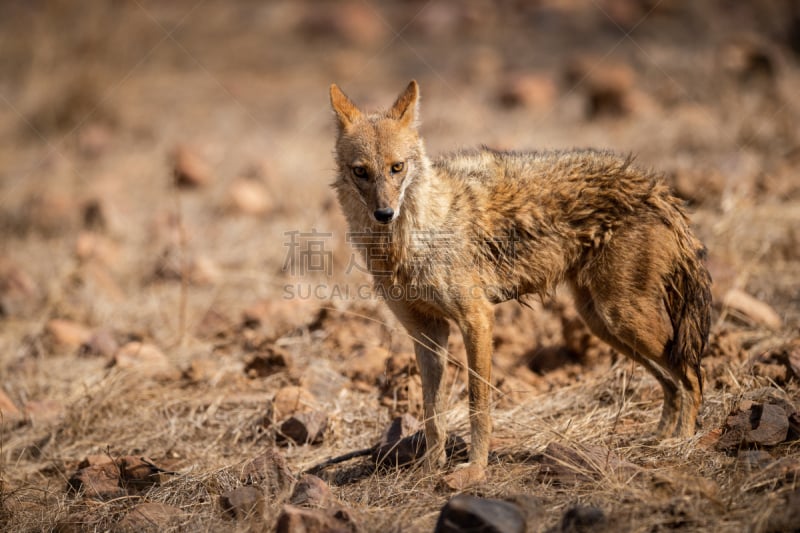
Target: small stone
(608, 86)
(305, 428)
(401, 442)
(298, 519)
(145, 359)
(534, 91)
(582, 519)
(322, 380)
(755, 424)
(249, 197)
(99, 482)
(149, 516)
(367, 365)
(268, 470)
(277, 316)
(138, 473)
(90, 245)
(94, 460)
(102, 342)
(291, 400)
(311, 491)
(755, 311)
(189, 169)
(67, 333)
(470, 513)
(243, 502)
(269, 362)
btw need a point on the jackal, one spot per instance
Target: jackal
(447, 238)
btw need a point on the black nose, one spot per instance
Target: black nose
(384, 215)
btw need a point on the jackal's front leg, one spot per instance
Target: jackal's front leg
(477, 328)
(430, 347)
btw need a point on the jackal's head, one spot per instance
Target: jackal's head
(378, 154)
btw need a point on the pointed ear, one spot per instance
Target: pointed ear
(346, 110)
(406, 107)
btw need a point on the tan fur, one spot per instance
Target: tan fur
(473, 229)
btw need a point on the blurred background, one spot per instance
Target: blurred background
(102, 105)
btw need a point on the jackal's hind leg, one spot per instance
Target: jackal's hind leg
(644, 345)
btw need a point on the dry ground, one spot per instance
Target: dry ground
(96, 104)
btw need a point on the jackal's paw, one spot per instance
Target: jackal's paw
(464, 476)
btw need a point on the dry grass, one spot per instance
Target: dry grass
(91, 108)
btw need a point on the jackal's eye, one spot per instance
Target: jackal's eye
(360, 172)
(398, 167)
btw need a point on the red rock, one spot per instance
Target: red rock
(269, 362)
(305, 428)
(311, 491)
(277, 316)
(291, 400)
(471, 513)
(352, 22)
(138, 473)
(299, 520)
(249, 197)
(755, 424)
(90, 245)
(189, 169)
(100, 482)
(145, 359)
(102, 342)
(400, 442)
(243, 502)
(269, 471)
(534, 91)
(580, 518)
(203, 370)
(367, 365)
(150, 516)
(67, 333)
(94, 460)
(608, 86)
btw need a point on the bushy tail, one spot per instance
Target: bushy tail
(689, 307)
